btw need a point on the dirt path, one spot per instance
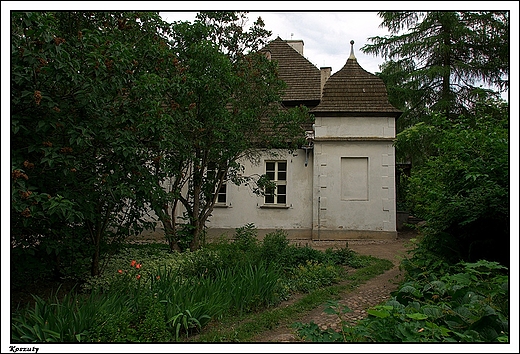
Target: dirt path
(369, 294)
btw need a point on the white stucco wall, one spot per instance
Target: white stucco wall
(244, 207)
(328, 127)
(343, 204)
(346, 191)
(354, 187)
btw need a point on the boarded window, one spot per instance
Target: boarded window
(354, 178)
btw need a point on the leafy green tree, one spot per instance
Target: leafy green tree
(233, 101)
(442, 68)
(83, 132)
(437, 61)
(462, 190)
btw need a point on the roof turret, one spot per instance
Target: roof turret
(353, 90)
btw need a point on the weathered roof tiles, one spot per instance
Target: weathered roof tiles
(300, 75)
(354, 90)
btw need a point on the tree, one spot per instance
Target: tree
(462, 190)
(442, 59)
(81, 130)
(233, 97)
(453, 130)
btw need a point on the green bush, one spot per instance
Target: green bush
(313, 275)
(468, 303)
(274, 246)
(295, 256)
(345, 256)
(246, 237)
(200, 263)
(462, 189)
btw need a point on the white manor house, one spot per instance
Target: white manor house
(342, 184)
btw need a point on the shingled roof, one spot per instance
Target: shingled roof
(353, 90)
(300, 75)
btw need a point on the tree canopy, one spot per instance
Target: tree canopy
(234, 94)
(446, 71)
(442, 61)
(106, 108)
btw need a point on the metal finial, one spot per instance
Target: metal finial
(352, 50)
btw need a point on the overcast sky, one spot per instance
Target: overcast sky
(326, 35)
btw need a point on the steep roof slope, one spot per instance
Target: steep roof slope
(300, 75)
(354, 90)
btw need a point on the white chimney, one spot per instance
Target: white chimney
(297, 45)
(325, 74)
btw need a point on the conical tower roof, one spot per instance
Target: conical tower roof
(353, 91)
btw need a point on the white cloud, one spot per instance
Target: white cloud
(326, 35)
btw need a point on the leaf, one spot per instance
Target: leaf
(417, 316)
(379, 314)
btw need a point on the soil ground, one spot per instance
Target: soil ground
(371, 293)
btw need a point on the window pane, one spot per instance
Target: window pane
(270, 175)
(281, 199)
(282, 166)
(221, 198)
(281, 189)
(269, 199)
(269, 166)
(282, 176)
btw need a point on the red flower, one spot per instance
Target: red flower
(138, 265)
(120, 271)
(132, 263)
(138, 276)
(158, 277)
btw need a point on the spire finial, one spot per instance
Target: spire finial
(352, 50)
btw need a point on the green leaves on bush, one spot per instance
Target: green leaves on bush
(148, 294)
(313, 275)
(468, 303)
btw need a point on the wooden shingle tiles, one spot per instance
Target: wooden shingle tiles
(354, 90)
(300, 75)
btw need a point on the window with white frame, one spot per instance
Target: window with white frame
(277, 173)
(221, 194)
(222, 191)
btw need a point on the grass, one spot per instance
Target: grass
(246, 328)
(225, 293)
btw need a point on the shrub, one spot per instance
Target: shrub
(150, 257)
(343, 256)
(469, 303)
(200, 263)
(274, 245)
(313, 275)
(246, 238)
(462, 190)
(295, 256)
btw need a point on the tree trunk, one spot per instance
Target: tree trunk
(170, 233)
(197, 230)
(94, 267)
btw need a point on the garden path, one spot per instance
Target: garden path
(369, 294)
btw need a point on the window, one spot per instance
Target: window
(222, 191)
(277, 172)
(221, 194)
